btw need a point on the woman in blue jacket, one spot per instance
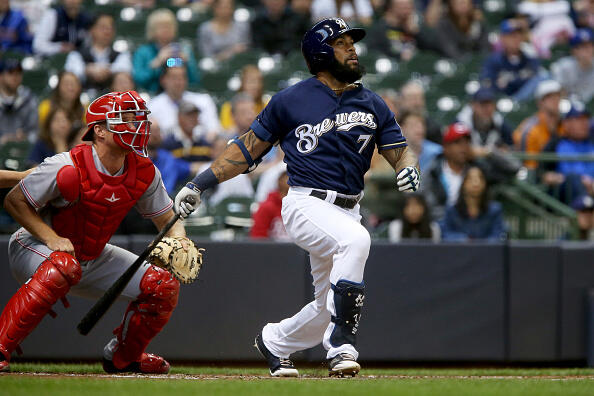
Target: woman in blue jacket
(474, 216)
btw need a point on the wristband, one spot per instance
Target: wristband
(203, 181)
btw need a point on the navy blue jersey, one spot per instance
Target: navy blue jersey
(328, 140)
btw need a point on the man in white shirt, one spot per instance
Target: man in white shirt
(96, 62)
(164, 106)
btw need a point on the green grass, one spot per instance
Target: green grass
(315, 383)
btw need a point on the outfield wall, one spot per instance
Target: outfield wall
(517, 302)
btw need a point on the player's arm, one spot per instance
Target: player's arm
(406, 165)
(236, 159)
(177, 230)
(17, 205)
(11, 178)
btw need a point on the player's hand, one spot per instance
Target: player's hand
(181, 205)
(408, 179)
(59, 244)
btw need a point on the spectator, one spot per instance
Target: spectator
(413, 127)
(186, 141)
(414, 222)
(534, 133)
(461, 30)
(17, 104)
(489, 129)
(62, 29)
(96, 61)
(56, 136)
(550, 23)
(443, 178)
(222, 37)
(147, 4)
(576, 72)
(571, 178)
(14, 30)
(584, 210)
(173, 170)
(242, 114)
(164, 106)
(398, 33)
(33, 10)
(161, 50)
(510, 70)
(268, 222)
(67, 96)
(583, 13)
(474, 216)
(252, 83)
(268, 178)
(412, 99)
(122, 82)
(302, 8)
(359, 11)
(276, 29)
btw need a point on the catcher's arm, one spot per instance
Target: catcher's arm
(11, 178)
(177, 230)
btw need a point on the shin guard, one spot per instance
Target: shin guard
(34, 299)
(348, 301)
(146, 316)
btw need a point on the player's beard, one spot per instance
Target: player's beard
(345, 73)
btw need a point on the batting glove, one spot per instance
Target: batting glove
(408, 179)
(181, 205)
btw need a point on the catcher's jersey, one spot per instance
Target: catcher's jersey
(328, 140)
(41, 189)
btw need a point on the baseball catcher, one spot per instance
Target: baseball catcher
(69, 207)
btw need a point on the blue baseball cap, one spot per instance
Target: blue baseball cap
(577, 110)
(583, 202)
(581, 36)
(510, 26)
(10, 64)
(484, 94)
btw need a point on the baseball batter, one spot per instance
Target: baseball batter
(328, 127)
(69, 208)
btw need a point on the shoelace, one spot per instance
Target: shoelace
(286, 362)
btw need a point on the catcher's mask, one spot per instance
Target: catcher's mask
(125, 114)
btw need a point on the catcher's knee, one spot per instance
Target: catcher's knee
(58, 268)
(159, 289)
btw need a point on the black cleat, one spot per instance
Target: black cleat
(279, 367)
(343, 364)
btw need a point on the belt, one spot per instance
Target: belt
(345, 203)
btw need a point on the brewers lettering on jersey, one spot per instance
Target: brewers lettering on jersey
(328, 127)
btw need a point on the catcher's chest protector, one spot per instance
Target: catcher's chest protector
(103, 201)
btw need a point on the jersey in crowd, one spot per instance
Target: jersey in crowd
(328, 140)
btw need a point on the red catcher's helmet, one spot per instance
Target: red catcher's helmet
(133, 134)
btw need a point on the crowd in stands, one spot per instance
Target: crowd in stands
(537, 54)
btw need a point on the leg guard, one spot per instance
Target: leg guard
(348, 301)
(50, 282)
(145, 317)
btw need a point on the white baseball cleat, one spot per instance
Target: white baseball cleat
(343, 364)
(279, 367)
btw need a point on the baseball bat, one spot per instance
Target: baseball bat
(107, 300)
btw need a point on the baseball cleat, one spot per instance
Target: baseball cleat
(279, 367)
(148, 364)
(343, 364)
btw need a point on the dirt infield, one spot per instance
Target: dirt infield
(206, 377)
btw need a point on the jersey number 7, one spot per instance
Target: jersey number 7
(365, 139)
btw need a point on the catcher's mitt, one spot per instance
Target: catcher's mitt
(184, 264)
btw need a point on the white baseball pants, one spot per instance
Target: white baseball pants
(338, 246)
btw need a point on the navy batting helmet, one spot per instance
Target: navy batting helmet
(314, 45)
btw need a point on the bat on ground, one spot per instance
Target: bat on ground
(107, 300)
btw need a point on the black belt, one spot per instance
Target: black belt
(345, 203)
